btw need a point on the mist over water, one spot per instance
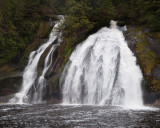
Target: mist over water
(102, 70)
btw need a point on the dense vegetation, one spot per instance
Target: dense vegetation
(20, 19)
(18, 25)
(83, 15)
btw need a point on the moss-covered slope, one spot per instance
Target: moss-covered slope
(146, 46)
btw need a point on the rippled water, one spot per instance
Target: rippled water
(57, 116)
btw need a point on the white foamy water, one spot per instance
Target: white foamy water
(41, 85)
(102, 70)
(30, 72)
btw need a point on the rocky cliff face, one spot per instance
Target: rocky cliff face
(146, 46)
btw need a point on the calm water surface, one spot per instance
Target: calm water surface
(59, 116)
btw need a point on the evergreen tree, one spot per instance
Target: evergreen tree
(17, 28)
(77, 21)
(104, 12)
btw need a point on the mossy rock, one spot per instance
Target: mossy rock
(7, 68)
(10, 83)
(146, 49)
(44, 29)
(41, 37)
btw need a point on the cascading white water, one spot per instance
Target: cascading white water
(41, 85)
(102, 71)
(30, 72)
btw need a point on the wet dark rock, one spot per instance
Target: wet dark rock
(152, 99)
(156, 72)
(154, 45)
(5, 99)
(10, 83)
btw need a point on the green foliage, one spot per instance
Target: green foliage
(77, 20)
(139, 12)
(103, 12)
(153, 14)
(19, 20)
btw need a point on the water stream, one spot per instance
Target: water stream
(30, 72)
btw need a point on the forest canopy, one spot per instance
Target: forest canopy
(20, 19)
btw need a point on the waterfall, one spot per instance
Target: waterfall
(30, 72)
(41, 85)
(102, 70)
